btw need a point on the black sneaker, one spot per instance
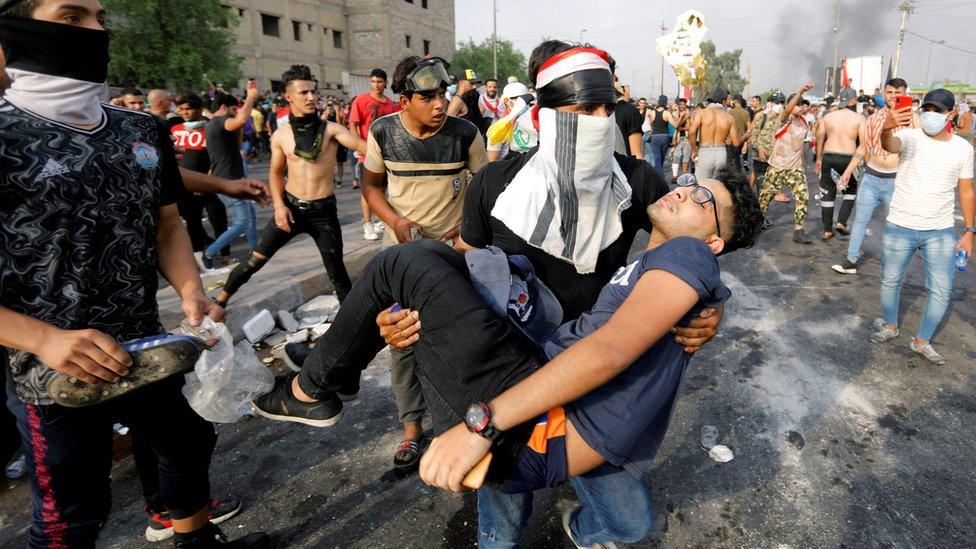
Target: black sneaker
(208, 262)
(281, 405)
(210, 537)
(295, 355)
(801, 238)
(842, 229)
(846, 268)
(160, 526)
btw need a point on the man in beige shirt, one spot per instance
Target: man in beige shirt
(427, 158)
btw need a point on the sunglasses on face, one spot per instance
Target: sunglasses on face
(701, 195)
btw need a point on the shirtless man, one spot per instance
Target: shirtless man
(717, 128)
(307, 145)
(681, 153)
(837, 142)
(878, 182)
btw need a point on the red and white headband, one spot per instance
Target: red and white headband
(570, 61)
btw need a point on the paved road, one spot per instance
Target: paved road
(838, 442)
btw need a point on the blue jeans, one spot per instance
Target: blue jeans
(937, 247)
(243, 219)
(874, 191)
(616, 507)
(659, 149)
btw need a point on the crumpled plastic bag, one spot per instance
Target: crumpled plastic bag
(225, 380)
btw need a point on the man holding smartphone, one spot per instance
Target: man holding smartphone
(933, 165)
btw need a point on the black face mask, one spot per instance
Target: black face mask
(55, 49)
(586, 87)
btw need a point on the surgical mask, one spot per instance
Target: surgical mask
(452, 89)
(933, 123)
(195, 125)
(777, 108)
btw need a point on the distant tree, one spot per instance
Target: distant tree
(722, 71)
(173, 44)
(470, 55)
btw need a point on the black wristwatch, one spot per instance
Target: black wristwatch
(970, 229)
(478, 420)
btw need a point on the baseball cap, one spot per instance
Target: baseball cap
(941, 98)
(846, 95)
(509, 286)
(468, 74)
(513, 90)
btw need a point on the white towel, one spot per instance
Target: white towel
(568, 197)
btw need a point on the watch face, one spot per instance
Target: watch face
(475, 416)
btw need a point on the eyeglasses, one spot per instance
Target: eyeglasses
(701, 195)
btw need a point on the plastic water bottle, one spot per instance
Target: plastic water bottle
(834, 175)
(962, 259)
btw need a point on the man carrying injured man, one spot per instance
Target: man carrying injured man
(574, 74)
(594, 414)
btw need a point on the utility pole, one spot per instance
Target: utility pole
(833, 73)
(494, 40)
(664, 29)
(906, 8)
(748, 78)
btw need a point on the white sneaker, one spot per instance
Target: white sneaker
(927, 352)
(379, 227)
(369, 233)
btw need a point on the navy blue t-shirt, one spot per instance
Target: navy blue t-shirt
(626, 418)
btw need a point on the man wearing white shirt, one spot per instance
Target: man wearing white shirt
(932, 164)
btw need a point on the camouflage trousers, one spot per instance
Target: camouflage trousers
(796, 180)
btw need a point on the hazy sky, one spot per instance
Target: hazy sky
(785, 42)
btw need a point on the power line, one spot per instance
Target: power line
(939, 42)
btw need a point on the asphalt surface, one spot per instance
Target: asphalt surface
(838, 442)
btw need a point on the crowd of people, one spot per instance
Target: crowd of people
(503, 284)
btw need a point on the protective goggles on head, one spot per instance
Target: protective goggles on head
(431, 74)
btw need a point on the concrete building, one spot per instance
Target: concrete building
(341, 40)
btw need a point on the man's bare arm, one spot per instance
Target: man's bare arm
(347, 138)
(177, 266)
(734, 135)
(636, 145)
(250, 189)
(602, 355)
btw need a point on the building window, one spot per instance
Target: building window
(337, 39)
(410, 1)
(269, 25)
(240, 12)
(423, 4)
(224, 23)
(310, 27)
(296, 30)
(407, 41)
(339, 87)
(426, 47)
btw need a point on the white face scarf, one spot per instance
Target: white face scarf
(64, 100)
(567, 199)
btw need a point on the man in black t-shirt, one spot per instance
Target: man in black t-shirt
(87, 191)
(629, 121)
(190, 136)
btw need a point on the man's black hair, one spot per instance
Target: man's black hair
(682, 100)
(547, 49)
(131, 91)
(222, 100)
(759, 97)
(188, 98)
(744, 212)
(21, 10)
(491, 80)
(805, 102)
(296, 72)
(897, 83)
(403, 68)
(379, 73)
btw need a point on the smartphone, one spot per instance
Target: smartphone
(902, 101)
